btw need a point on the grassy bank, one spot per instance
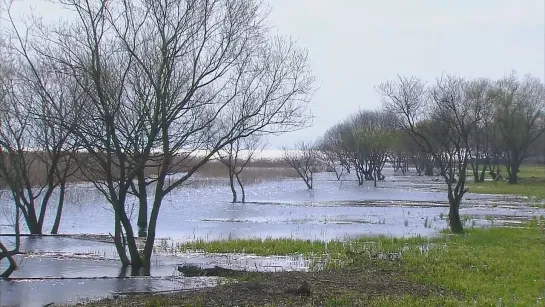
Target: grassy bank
(531, 184)
(484, 267)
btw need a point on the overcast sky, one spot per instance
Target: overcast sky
(354, 45)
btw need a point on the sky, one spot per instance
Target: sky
(354, 45)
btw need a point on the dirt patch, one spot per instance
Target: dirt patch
(354, 286)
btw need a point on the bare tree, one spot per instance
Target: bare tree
(479, 93)
(519, 107)
(375, 135)
(303, 159)
(37, 154)
(161, 81)
(331, 153)
(236, 156)
(440, 122)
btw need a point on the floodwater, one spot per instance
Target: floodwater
(67, 270)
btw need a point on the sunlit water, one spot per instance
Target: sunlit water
(81, 269)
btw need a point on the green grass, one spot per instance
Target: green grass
(268, 247)
(531, 184)
(484, 267)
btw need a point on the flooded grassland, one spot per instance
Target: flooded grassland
(82, 265)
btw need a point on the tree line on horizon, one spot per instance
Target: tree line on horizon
(447, 128)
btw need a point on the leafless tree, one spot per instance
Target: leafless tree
(303, 158)
(236, 156)
(519, 107)
(35, 154)
(479, 93)
(440, 122)
(161, 80)
(331, 152)
(375, 135)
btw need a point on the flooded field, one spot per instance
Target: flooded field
(70, 269)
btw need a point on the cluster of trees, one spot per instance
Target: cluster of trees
(126, 89)
(452, 126)
(465, 124)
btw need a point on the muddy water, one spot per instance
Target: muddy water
(401, 206)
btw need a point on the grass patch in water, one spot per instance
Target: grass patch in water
(531, 184)
(267, 247)
(494, 266)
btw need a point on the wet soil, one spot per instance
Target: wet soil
(355, 286)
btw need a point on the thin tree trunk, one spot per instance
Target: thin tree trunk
(45, 202)
(142, 205)
(12, 264)
(148, 248)
(119, 244)
(56, 225)
(232, 184)
(241, 188)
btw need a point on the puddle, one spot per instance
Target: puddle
(34, 293)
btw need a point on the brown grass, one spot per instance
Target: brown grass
(251, 173)
(255, 171)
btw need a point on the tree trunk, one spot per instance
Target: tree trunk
(455, 222)
(56, 225)
(148, 248)
(513, 173)
(32, 224)
(45, 202)
(475, 171)
(483, 171)
(360, 177)
(428, 171)
(308, 182)
(136, 260)
(12, 264)
(119, 242)
(241, 188)
(30, 214)
(375, 177)
(232, 184)
(142, 206)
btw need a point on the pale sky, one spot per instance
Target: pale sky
(354, 45)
